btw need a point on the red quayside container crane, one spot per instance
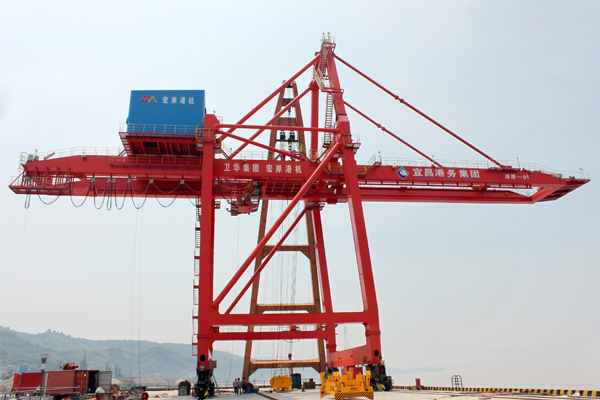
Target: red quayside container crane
(168, 164)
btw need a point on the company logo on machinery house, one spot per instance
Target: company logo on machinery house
(448, 174)
(277, 168)
(169, 99)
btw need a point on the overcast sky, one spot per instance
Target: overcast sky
(505, 295)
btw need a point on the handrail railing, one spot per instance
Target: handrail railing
(161, 128)
(412, 162)
(75, 151)
(114, 152)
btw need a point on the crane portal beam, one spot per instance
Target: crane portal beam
(167, 177)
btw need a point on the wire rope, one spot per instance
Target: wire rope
(25, 219)
(84, 199)
(132, 300)
(167, 192)
(237, 255)
(140, 298)
(127, 183)
(96, 193)
(176, 190)
(108, 195)
(222, 195)
(145, 197)
(27, 200)
(188, 189)
(281, 282)
(51, 202)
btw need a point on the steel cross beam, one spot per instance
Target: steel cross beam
(99, 177)
(272, 95)
(275, 118)
(332, 151)
(266, 261)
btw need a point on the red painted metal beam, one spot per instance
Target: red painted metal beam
(275, 118)
(276, 92)
(314, 120)
(266, 260)
(99, 176)
(279, 335)
(262, 146)
(278, 319)
(58, 173)
(277, 127)
(277, 223)
(205, 285)
(371, 353)
(327, 304)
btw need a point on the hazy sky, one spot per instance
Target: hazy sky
(505, 295)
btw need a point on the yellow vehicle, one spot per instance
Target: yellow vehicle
(281, 383)
(344, 387)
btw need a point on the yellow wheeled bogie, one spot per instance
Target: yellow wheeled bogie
(344, 387)
(281, 383)
(329, 383)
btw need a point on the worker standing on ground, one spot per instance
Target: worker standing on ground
(239, 386)
(99, 392)
(235, 386)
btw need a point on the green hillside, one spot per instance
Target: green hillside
(14, 350)
(167, 360)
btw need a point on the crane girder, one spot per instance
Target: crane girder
(166, 177)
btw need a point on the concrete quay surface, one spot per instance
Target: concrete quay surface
(395, 394)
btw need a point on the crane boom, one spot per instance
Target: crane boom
(162, 176)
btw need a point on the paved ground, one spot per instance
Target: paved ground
(392, 395)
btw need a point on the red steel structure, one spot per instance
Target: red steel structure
(290, 140)
(197, 166)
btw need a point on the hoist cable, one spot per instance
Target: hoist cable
(176, 190)
(84, 199)
(222, 195)
(27, 200)
(189, 189)
(96, 193)
(140, 298)
(127, 183)
(51, 202)
(145, 197)
(108, 195)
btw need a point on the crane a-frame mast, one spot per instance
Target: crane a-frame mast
(197, 166)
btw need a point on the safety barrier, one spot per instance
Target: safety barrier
(555, 392)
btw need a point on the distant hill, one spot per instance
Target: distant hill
(14, 350)
(167, 360)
